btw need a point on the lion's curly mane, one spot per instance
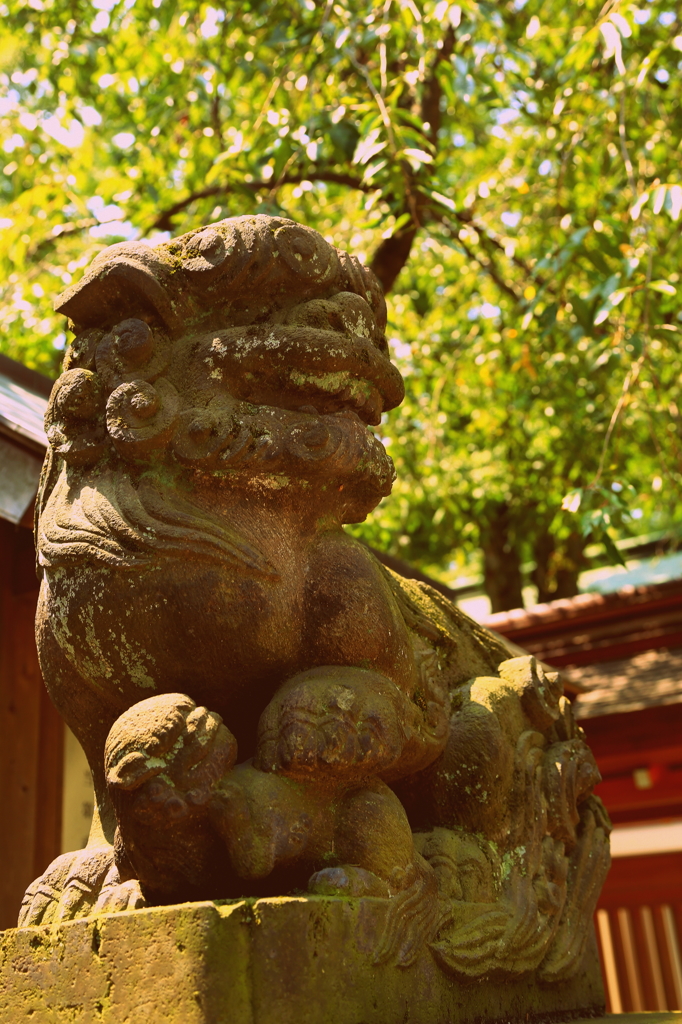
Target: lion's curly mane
(252, 349)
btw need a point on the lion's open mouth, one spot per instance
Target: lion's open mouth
(293, 367)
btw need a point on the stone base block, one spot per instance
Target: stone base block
(288, 960)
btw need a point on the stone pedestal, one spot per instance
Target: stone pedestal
(287, 960)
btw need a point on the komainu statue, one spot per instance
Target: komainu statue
(265, 708)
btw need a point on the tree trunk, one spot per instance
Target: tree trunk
(391, 256)
(394, 252)
(558, 566)
(501, 562)
(543, 553)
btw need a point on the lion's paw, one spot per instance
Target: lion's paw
(337, 721)
(347, 880)
(77, 885)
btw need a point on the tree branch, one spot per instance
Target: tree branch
(430, 108)
(394, 252)
(490, 269)
(164, 221)
(59, 231)
(391, 256)
(491, 236)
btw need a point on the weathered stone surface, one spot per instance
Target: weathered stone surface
(265, 709)
(300, 960)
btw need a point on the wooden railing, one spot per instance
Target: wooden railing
(640, 957)
(639, 931)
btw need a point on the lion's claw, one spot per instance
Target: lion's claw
(77, 885)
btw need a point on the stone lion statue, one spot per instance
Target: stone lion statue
(265, 708)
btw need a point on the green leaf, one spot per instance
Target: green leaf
(442, 200)
(611, 549)
(664, 287)
(368, 147)
(344, 136)
(417, 157)
(571, 501)
(583, 312)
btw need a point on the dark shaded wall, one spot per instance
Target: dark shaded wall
(31, 732)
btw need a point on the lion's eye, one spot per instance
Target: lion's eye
(345, 312)
(320, 313)
(357, 315)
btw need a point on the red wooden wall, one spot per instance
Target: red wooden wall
(639, 917)
(31, 732)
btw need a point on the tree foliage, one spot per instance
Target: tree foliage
(510, 170)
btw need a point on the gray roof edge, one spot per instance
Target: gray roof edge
(24, 438)
(27, 378)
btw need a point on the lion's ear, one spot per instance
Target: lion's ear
(132, 770)
(128, 279)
